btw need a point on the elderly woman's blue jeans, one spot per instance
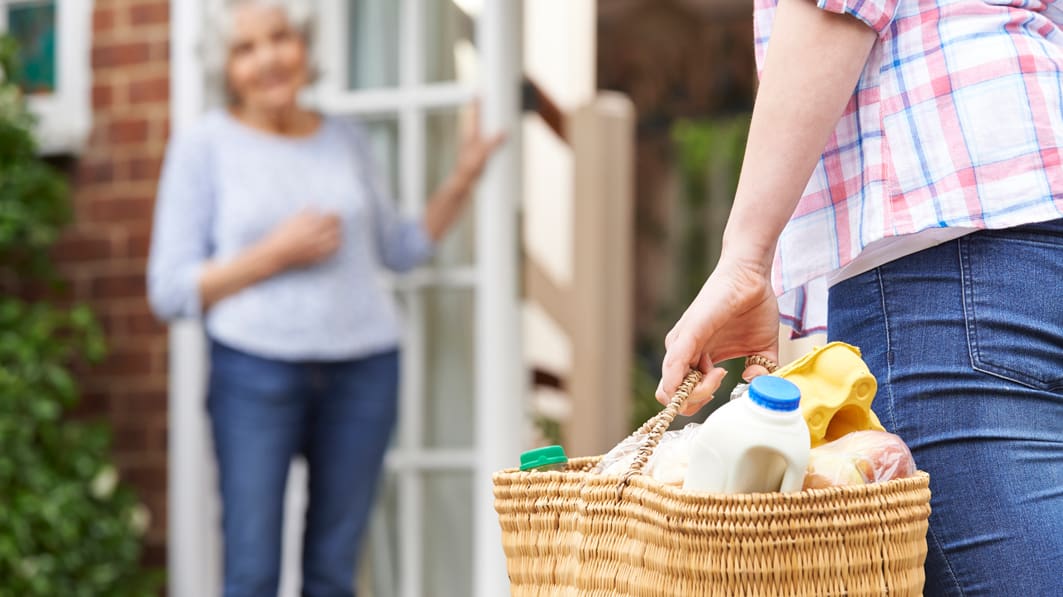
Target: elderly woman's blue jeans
(966, 340)
(264, 412)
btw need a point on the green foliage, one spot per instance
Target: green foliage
(33, 198)
(708, 157)
(644, 389)
(67, 527)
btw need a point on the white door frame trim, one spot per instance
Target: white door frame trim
(194, 558)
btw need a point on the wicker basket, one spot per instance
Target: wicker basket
(577, 533)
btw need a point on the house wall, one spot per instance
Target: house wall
(103, 255)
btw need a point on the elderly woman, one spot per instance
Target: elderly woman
(271, 222)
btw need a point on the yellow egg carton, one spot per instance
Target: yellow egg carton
(836, 391)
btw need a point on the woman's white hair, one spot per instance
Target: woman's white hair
(214, 45)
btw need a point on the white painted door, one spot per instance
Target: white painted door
(404, 68)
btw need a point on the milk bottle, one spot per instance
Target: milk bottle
(757, 443)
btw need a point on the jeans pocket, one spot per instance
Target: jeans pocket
(1013, 302)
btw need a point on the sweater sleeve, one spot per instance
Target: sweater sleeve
(402, 242)
(181, 237)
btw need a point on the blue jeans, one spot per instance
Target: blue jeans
(264, 412)
(966, 340)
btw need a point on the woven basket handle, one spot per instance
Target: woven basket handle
(655, 428)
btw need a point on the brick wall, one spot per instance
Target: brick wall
(104, 253)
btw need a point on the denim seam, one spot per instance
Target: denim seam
(968, 308)
(889, 347)
(967, 330)
(944, 556)
(893, 419)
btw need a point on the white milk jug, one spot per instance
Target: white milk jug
(757, 443)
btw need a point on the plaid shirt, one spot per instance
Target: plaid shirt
(957, 121)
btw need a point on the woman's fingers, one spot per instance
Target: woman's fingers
(703, 392)
(700, 395)
(684, 352)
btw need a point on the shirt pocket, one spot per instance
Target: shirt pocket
(1013, 303)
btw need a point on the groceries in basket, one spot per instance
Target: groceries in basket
(836, 391)
(756, 444)
(549, 458)
(859, 458)
(808, 426)
(668, 464)
(574, 532)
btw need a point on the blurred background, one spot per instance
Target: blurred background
(540, 320)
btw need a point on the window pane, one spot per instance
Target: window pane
(449, 40)
(33, 26)
(449, 367)
(448, 503)
(378, 571)
(458, 247)
(374, 44)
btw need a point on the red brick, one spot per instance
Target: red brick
(155, 89)
(128, 210)
(144, 323)
(126, 363)
(102, 20)
(132, 438)
(133, 130)
(146, 402)
(155, 500)
(149, 13)
(154, 555)
(125, 285)
(148, 478)
(121, 54)
(93, 172)
(145, 168)
(92, 405)
(102, 96)
(82, 247)
(141, 396)
(138, 243)
(160, 438)
(160, 50)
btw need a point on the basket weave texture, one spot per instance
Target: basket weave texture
(577, 533)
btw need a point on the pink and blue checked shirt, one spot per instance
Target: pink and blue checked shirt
(956, 123)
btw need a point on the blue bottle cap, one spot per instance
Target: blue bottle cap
(775, 393)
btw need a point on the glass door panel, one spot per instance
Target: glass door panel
(448, 504)
(443, 142)
(450, 33)
(373, 44)
(449, 358)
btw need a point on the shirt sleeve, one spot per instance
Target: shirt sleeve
(402, 242)
(180, 241)
(877, 14)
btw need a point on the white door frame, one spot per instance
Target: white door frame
(194, 551)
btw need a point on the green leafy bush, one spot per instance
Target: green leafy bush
(67, 527)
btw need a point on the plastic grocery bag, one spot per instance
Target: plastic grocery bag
(668, 464)
(859, 458)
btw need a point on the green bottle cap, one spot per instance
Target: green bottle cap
(542, 457)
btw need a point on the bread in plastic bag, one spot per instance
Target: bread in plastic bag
(669, 461)
(859, 458)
